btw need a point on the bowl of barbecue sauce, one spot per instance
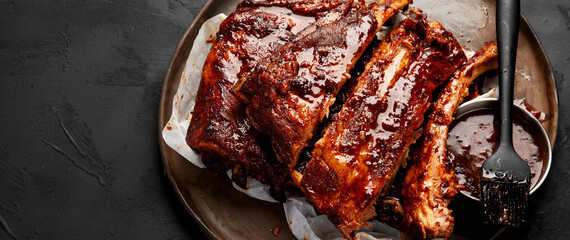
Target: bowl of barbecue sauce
(473, 137)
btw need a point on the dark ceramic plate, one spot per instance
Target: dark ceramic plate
(224, 213)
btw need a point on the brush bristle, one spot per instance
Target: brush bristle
(505, 203)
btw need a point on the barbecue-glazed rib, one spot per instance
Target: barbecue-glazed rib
(219, 128)
(430, 183)
(357, 159)
(289, 93)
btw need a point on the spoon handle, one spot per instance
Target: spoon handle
(507, 23)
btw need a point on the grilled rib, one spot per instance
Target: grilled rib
(289, 93)
(219, 128)
(430, 183)
(358, 157)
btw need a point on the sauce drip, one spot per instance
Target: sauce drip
(473, 138)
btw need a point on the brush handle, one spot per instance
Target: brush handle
(507, 20)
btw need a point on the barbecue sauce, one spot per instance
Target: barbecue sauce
(474, 137)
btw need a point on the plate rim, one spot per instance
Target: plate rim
(162, 120)
(550, 75)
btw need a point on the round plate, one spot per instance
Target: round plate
(224, 213)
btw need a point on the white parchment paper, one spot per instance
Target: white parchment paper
(174, 133)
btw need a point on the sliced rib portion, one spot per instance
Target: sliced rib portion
(358, 157)
(430, 183)
(289, 93)
(219, 128)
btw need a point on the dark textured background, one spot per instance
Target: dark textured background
(80, 85)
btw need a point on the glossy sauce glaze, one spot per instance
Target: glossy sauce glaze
(361, 151)
(473, 138)
(219, 128)
(290, 91)
(430, 183)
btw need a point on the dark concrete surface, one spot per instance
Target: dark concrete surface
(80, 85)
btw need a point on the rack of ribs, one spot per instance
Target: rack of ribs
(289, 93)
(430, 183)
(358, 157)
(219, 128)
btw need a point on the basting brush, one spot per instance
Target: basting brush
(505, 177)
